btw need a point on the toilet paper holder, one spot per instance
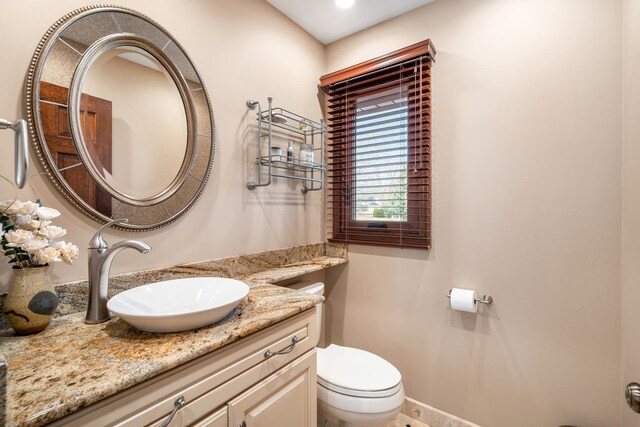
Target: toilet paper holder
(486, 299)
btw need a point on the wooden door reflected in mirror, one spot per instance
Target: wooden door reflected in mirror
(96, 114)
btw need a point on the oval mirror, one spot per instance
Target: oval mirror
(120, 118)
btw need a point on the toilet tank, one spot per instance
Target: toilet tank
(315, 288)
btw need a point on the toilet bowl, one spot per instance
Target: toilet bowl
(355, 387)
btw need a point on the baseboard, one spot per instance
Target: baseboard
(432, 416)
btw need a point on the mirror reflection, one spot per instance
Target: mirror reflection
(133, 121)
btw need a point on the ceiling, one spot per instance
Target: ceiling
(328, 23)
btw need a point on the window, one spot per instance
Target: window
(379, 150)
(381, 135)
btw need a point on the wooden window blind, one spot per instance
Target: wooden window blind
(379, 150)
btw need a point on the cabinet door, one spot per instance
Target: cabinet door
(285, 399)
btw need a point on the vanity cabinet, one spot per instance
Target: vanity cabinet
(233, 385)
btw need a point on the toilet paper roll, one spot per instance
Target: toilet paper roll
(464, 300)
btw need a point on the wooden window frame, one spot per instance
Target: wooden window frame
(418, 211)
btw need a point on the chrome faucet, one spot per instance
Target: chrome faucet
(100, 258)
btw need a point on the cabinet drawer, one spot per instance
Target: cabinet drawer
(218, 419)
(205, 383)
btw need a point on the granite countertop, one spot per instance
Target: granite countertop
(72, 365)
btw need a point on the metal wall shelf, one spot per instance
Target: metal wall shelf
(305, 130)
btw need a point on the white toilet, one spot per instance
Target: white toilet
(355, 387)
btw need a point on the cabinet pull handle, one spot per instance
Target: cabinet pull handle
(269, 354)
(177, 405)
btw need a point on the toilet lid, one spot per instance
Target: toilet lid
(350, 371)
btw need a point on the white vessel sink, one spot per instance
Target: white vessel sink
(178, 305)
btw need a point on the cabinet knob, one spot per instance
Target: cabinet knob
(632, 393)
(177, 405)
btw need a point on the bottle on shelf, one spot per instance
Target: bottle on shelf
(290, 152)
(306, 154)
(276, 152)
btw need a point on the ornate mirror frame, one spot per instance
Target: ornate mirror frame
(108, 27)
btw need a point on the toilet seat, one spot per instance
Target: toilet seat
(359, 393)
(358, 373)
(347, 407)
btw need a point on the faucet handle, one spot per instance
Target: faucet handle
(97, 241)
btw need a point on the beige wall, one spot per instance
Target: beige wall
(631, 204)
(243, 49)
(527, 207)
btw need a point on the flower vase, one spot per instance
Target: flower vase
(31, 301)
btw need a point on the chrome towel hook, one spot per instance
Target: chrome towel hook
(21, 149)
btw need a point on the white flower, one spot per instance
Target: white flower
(33, 233)
(34, 244)
(18, 237)
(68, 251)
(51, 232)
(46, 213)
(22, 219)
(10, 207)
(34, 224)
(47, 255)
(27, 208)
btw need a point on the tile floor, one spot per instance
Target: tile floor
(403, 420)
